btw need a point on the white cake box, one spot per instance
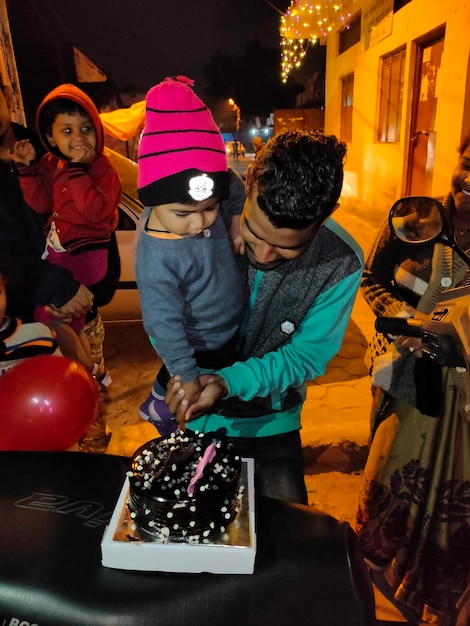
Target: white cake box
(232, 553)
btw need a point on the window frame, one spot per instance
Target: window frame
(391, 86)
(350, 34)
(347, 105)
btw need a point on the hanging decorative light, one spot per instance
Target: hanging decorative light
(293, 52)
(307, 21)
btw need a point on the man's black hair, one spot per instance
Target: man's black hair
(299, 176)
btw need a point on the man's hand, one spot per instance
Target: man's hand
(23, 152)
(213, 388)
(78, 306)
(191, 390)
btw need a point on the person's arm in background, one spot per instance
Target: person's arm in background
(103, 291)
(35, 177)
(379, 290)
(35, 282)
(82, 299)
(96, 190)
(377, 285)
(306, 355)
(232, 208)
(58, 290)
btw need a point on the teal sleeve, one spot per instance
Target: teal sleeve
(307, 353)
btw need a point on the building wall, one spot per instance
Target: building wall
(375, 173)
(300, 119)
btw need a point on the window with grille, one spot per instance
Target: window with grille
(391, 97)
(350, 34)
(347, 89)
(399, 4)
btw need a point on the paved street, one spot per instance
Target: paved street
(240, 165)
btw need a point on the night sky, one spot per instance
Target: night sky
(139, 42)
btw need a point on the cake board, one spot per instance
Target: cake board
(123, 547)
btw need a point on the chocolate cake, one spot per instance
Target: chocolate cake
(185, 487)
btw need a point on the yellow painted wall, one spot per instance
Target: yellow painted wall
(375, 173)
(301, 119)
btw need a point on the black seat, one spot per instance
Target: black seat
(54, 507)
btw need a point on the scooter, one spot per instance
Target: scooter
(445, 334)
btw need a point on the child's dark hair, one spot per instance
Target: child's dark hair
(299, 176)
(55, 107)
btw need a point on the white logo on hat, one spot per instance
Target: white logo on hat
(200, 187)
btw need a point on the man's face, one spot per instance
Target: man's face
(267, 246)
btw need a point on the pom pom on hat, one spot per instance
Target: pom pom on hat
(181, 154)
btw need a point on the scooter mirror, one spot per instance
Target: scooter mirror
(416, 219)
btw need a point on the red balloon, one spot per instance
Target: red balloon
(46, 403)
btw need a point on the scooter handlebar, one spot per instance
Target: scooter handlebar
(407, 326)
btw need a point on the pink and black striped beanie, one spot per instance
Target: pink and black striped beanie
(181, 154)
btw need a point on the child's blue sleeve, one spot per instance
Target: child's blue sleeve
(233, 205)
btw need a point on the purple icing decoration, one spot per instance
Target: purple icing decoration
(203, 461)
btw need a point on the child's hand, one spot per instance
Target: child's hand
(188, 392)
(23, 152)
(238, 246)
(213, 388)
(83, 154)
(191, 390)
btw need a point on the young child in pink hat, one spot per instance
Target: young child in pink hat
(189, 285)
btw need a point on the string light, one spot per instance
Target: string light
(293, 52)
(305, 23)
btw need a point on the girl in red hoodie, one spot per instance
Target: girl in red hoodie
(74, 186)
